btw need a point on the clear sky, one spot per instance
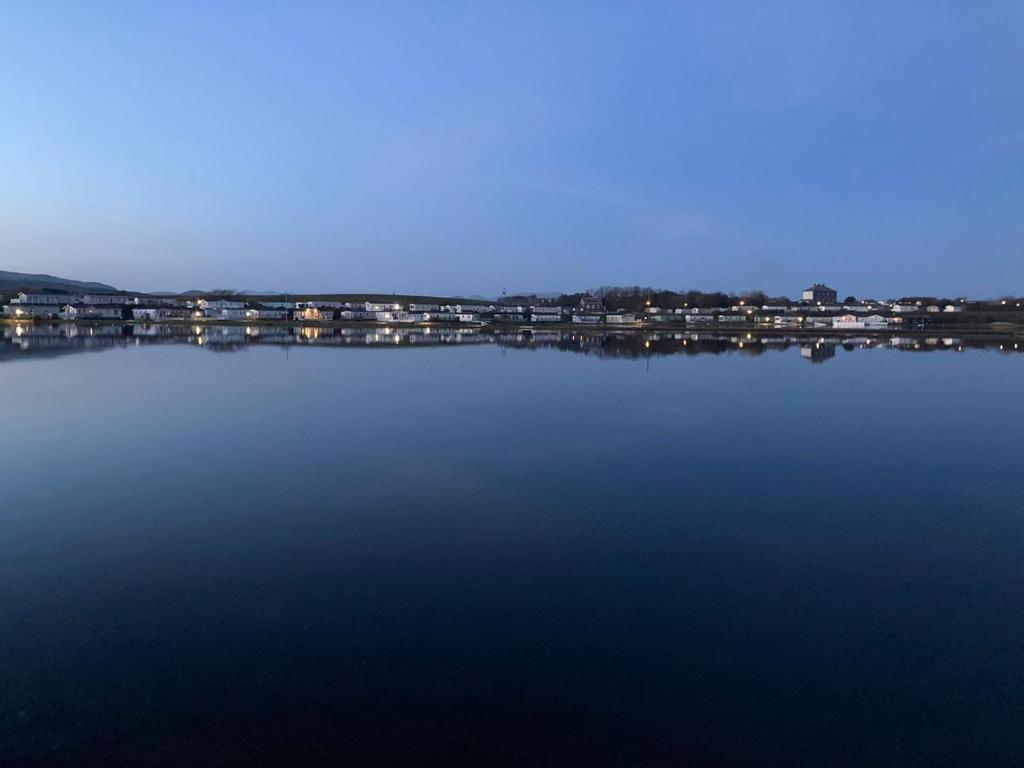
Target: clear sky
(478, 147)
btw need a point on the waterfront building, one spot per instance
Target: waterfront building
(819, 293)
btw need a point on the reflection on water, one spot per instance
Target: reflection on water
(58, 339)
(665, 549)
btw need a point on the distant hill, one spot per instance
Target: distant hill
(21, 281)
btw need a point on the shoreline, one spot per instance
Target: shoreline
(988, 331)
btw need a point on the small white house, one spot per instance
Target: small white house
(374, 306)
(84, 312)
(46, 299)
(266, 314)
(621, 318)
(219, 304)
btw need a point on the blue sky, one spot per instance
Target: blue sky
(479, 147)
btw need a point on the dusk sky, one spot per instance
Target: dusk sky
(454, 148)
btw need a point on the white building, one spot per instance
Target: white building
(159, 313)
(266, 314)
(545, 317)
(219, 304)
(27, 311)
(424, 307)
(373, 306)
(43, 299)
(847, 321)
(104, 299)
(621, 318)
(86, 312)
(587, 319)
(311, 314)
(393, 316)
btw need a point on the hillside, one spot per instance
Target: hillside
(21, 281)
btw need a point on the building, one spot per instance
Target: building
(590, 305)
(104, 299)
(904, 308)
(621, 318)
(375, 306)
(583, 319)
(311, 314)
(545, 317)
(820, 293)
(27, 311)
(263, 313)
(159, 313)
(219, 304)
(395, 316)
(43, 299)
(88, 312)
(424, 307)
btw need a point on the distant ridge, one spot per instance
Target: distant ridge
(21, 281)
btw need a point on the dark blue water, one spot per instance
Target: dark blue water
(501, 556)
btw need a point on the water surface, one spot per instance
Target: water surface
(590, 550)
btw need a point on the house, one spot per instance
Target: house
(952, 308)
(229, 313)
(787, 321)
(546, 310)
(545, 317)
(621, 318)
(159, 313)
(699, 319)
(88, 312)
(263, 313)
(464, 309)
(27, 311)
(904, 308)
(312, 314)
(374, 306)
(424, 307)
(104, 299)
(847, 321)
(582, 319)
(819, 293)
(219, 304)
(394, 316)
(44, 299)
(590, 305)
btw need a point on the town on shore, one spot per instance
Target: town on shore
(818, 307)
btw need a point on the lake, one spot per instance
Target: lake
(239, 546)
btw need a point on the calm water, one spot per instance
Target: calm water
(504, 552)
